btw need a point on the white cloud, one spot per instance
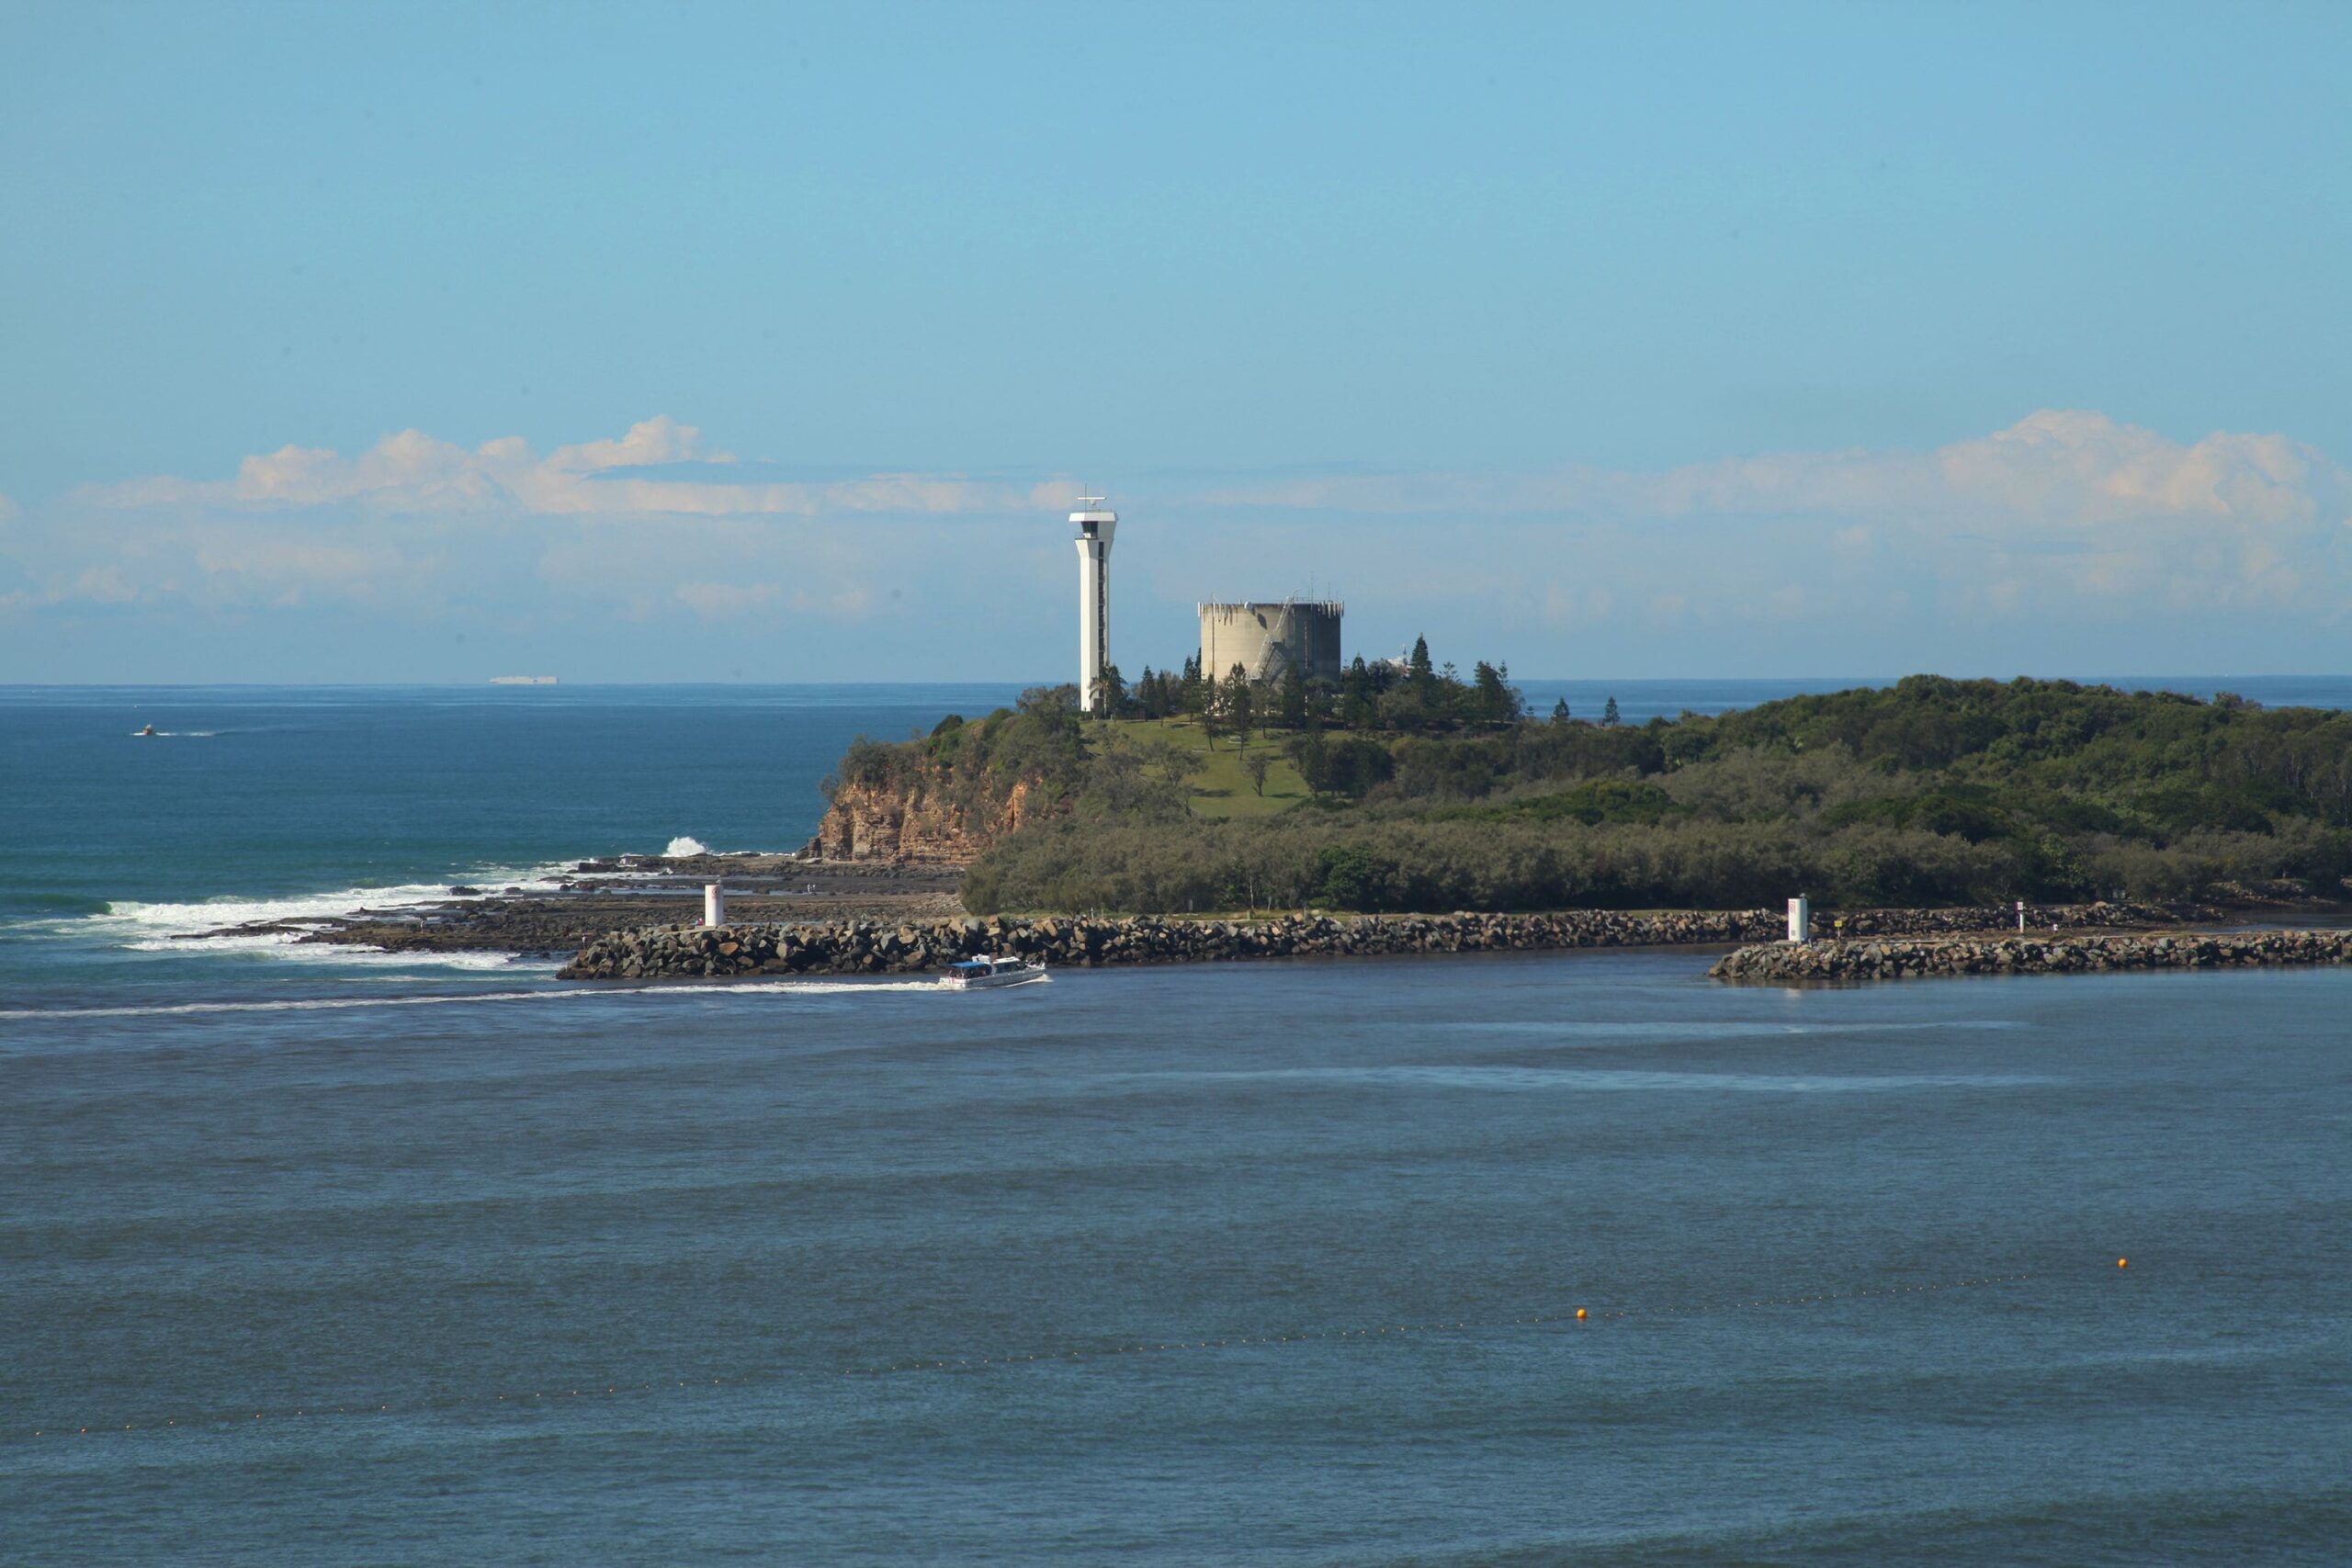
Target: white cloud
(656, 524)
(2066, 525)
(2061, 468)
(724, 600)
(411, 473)
(2060, 513)
(102, 585)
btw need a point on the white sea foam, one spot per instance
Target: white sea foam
(183, 927)
(341, 1004)
(682, 845)
(186, 927)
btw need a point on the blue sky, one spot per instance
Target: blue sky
(692, 342)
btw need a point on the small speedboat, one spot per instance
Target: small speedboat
(986, 973)
(145, 730)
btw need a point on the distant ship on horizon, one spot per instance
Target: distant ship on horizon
(522, 680)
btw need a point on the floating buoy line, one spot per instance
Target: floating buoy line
(546, 1398)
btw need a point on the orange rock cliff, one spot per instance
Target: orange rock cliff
(919, 823)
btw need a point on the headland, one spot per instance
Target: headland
(1403, 809)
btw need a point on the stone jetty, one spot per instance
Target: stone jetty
(1789, 963)
(914, 947)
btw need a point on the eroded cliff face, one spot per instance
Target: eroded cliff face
(919, 823)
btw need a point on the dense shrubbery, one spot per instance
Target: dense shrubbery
(1304, 859)
(1930, 792)
(972, 767)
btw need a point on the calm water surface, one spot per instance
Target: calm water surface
(518, 1273)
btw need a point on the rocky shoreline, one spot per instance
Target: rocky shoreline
(1817, 963)
(617, 893)
(865, 947)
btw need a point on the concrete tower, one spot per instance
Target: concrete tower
(1095, 528)
(1267, 639)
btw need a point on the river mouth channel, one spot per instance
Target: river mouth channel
(845, 1271)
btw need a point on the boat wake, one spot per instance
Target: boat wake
(343, 1004)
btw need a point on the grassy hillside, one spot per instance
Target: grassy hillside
(1933, 791)
(1214, 773)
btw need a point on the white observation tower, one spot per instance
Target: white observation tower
(1095, 526)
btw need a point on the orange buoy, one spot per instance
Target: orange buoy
(2122, 1262)
(1579, 1315)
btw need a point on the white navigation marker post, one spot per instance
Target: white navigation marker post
(714, 904)
(1095, 526)
(1800, 919)
(2020, 914)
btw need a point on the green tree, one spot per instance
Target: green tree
(1293, 696)
(1359, 695)
(1560, 711)
(1311, 756)
(1195, 693)
(1608, 715)
(1492, 697)
(1254, 765)
(1240, 704)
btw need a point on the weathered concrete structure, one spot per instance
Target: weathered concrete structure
(1268, 639)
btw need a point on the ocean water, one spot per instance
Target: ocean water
(329, 1258)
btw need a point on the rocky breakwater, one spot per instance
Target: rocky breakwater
(2101, 916)
(1789, 963)
(863, 947)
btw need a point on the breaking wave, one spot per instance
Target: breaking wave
(183, 927)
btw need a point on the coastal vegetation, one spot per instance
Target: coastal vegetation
(1418, 789)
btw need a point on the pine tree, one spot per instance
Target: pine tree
(1609, 713)
(1495, 702)
(1241, 705)
(1294, 696)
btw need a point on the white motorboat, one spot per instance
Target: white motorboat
(985, 973)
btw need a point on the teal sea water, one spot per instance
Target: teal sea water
(356, 1260)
